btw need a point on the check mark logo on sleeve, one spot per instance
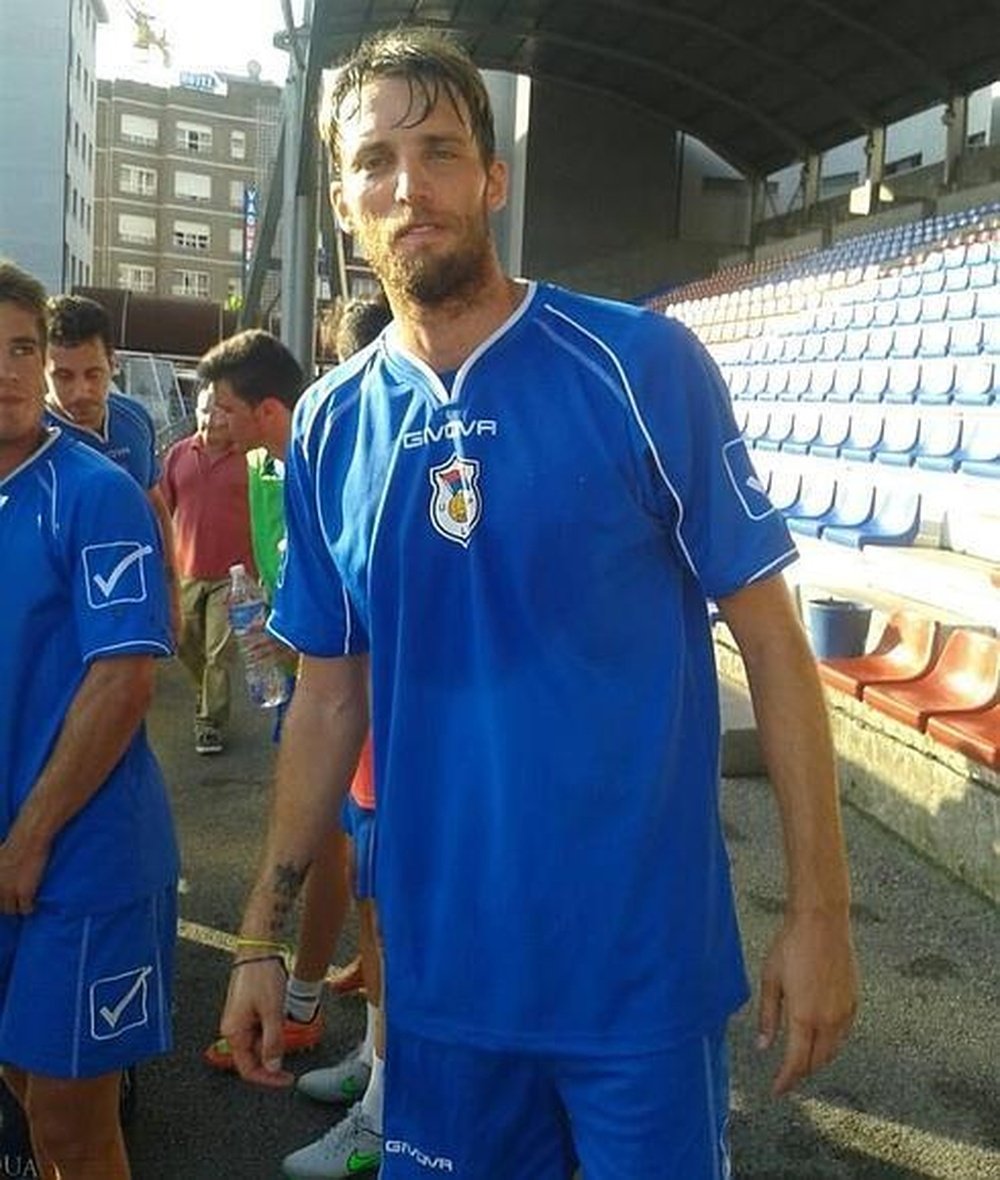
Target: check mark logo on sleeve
(113, 1014)
(107, 585)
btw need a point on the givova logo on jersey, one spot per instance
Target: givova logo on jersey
(456, 505)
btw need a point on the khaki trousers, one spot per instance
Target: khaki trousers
(205, 647)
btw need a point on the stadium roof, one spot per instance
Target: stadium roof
(762, 82)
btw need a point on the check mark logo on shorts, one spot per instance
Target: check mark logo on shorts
(363, 1161)
(113, 1015)
(107, 585)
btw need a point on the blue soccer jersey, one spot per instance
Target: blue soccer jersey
(128, 437)
(527, 557)
(84, 582)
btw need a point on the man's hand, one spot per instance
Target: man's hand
(252, 1021)
(21, 869)
(809, 983)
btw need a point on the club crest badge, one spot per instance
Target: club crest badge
(456, 505)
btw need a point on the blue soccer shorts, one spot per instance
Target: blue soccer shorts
(85, 995)
(359, 823)
(451, 1110)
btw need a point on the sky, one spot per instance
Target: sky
(202, 36)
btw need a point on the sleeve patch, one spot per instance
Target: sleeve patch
(749, 490)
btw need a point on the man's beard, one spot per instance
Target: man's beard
(429, 279)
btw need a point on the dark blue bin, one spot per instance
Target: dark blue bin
(838, 628)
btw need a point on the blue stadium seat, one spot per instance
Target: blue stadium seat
(737, 379)
(982, 275)
(904, 380)
(894, 521)
(935, 339)
(937, 381)
(805, 430)
(874, 381)
(812, 346)
(758, 418)
(957, 280)
(757, 381)
(908, 310)
(799, 377)
(793, 348)
(976, 252)
(906, 340)
(879, 343)
(821, 382)
(863, 315)
(779, 428)
(900, 439)
(834, 430)
(784, 488)
(980, 453)
(855, 344)
(939, 446)
(954, 256)
(966, 338)
(818, 493)
(975, 379)
(865, 437)
(933, 307)
(962, 305)
(885, 312)
(833, 345)
(988, 302)
(853, 505)
(777, 381)
(991, 336)
(914, 283)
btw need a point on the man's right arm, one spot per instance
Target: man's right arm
(321, 740)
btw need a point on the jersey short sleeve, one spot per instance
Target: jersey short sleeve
(313, 612)
(701, 478)
(117, 569)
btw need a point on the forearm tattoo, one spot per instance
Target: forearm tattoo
(285, 888)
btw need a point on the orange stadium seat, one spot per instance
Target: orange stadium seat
(905, 652)
(964, 678)
(976, 735)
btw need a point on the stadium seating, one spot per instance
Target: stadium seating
(904, 652)
(965, 677)
(853, 505)
(977, 735)
(895, 520)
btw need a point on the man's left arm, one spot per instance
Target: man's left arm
(164, 519)
(809, 980)
(99, 725)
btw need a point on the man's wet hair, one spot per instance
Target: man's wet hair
(360, 322)
(74, 319)
(256, 365)
(24, 291)
(431, 65)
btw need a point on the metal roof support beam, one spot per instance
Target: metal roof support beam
(299, 230)
(956, 121)
(812, 168)
(758, 206)
(875, 153)
(264, 246)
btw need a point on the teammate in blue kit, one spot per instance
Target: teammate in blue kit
(81, 400)
(88, 859)
(512, 508)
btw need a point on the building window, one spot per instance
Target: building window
(192, 235)
(238, 145)
(236, 194)
(194, 283)
(192, 186)
(140, 231)
(141, 130)
(234, 288)
(136, 278)
(137, 181)
(236, 241)
(194, 137)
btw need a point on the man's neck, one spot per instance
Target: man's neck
(445, 334)
(14, 455)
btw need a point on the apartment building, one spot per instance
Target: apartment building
(182, 176)
(48, 105)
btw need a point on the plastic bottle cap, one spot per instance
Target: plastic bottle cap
(238, 568)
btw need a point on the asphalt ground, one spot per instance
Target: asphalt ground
(916, 1092)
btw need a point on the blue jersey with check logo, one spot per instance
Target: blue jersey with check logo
(83, 581)
(128, 437)
(527, 558)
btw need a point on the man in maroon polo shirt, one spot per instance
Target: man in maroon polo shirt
(204, 485)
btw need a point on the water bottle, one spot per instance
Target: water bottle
(267, 682)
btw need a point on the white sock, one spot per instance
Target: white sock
(367, 1049)
(302, 998)
(371, 1103)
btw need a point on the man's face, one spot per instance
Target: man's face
(22, 385)
(416, 197)
(79, 381)
(241, 417)
(212, 424)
